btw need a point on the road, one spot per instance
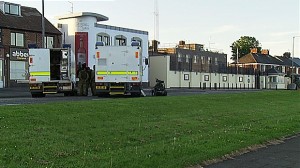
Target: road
(26, 99)
(284, 155)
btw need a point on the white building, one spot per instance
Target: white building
(82, 31)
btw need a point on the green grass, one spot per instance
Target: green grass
(144, 132)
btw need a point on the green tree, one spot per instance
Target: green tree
(244, 45)
(287, 54)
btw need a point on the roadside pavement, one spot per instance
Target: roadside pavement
(15, 92)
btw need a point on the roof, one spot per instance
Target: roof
(99, 17)
(296, 60)
(29, 21)
(268, 59)
(273, 71)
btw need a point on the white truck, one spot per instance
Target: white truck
(118, 70)
(51, 71)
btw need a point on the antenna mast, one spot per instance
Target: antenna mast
(72, 6)
(156, 20)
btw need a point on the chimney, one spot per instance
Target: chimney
(265, 52)
(155, 45)
(181, 42)
(253, 50)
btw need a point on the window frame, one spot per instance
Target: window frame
(120, 40)
(206, 78)
(103, 37)
(195, 59)
(216, 61)
(187, 58)
(8, 9)
(209, 60)
(46, 42)
(14, 39)
(202, 59)
(179, 57)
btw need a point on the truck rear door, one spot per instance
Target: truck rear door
(39, 65)
(117, 64)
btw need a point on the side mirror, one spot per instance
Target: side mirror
(146, 61)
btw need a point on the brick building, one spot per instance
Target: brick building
(20, 26)
(193, 58)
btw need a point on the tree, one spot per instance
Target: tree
(287, 54)
(244, 45)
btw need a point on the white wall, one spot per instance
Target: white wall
(160, 65)
(156, 72)
(176, 80)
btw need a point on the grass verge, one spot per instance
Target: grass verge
(144, 132)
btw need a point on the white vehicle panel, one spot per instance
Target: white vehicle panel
(118, 64)
(39, 66)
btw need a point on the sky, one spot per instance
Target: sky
(214, 23)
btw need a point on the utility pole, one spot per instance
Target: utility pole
(237, 60)
(293, 58)
(43, 25)
(156, 20)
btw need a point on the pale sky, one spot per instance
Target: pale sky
(214, 23)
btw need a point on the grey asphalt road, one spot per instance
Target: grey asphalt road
(285, 155)
(22, 97)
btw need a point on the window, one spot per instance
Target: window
(224, 78)
(273, 79)
(216, 61)
(11, 9)
(203, 60)
(137, 39)
(103, 37)
(121, 40)
(48, 40)
(263, 68)
(283, 68)
(241, 79)
(179, 57)
(186, 77)
(195, 59)
(209, 60)
(17, 39)
(206, 78)
(187, 58)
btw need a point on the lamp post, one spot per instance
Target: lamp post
(293, 57)
(43, 25)
(237, 59)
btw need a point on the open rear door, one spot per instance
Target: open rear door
(39, 65)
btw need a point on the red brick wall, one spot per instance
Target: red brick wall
(30, 38)
(6, 37)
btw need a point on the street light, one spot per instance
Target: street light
(43, 24)
(293, 56)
